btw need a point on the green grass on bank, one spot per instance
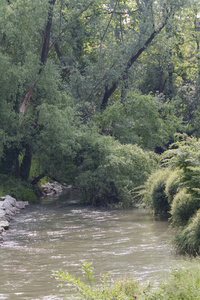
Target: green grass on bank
(183, 283)
(17, 189)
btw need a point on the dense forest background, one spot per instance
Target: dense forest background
(104, 95)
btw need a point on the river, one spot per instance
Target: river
(58, 233)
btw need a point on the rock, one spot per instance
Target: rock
(2, 215)
(10, 200)
(4, 224)
(52, 188)
(22, 204)
(10, 210)
(9, 206)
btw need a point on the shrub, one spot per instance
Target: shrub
(184, 283)
(188, 239)
(154, 194)
(110, 174)
(107, 289)
(26, 194)
(17, 188)
(184, 156)
(98, 188)
(172, 185)
(183, 207)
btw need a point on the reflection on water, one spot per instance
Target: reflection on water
(59, 233)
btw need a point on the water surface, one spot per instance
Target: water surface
(58, 233)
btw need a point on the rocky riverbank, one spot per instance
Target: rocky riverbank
(9, 206)
(54, 187)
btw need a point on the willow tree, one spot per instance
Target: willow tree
(119, 32)
(92, 44)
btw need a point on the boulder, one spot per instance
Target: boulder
(4, 224)
(52, 188)
(10, 200)
(21, 204)
(2, 215)
(9, 206)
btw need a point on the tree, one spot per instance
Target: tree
(92, 44)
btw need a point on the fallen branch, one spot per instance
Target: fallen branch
(27, 97)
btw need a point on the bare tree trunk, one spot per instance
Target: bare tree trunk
(46, 43)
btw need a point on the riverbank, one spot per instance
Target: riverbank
(9, 207)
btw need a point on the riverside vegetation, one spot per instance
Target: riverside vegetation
(104, 95)
(183, 283)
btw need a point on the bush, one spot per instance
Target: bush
(172, 185)
(17, 189)
(107, 289)
(188, 239)
(183, 207)
(109, 171)
(154, 191)
(184, 283)
(184, 156)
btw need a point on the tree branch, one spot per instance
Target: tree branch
(65, 28)
(109, 22)
(24, 104)
(46, 48)
(109, 91)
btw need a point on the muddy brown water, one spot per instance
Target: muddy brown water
(59, 233)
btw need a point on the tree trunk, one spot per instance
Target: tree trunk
(46, 43)
(37, 179)
(26, 164)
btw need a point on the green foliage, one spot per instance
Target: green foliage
(184, 283)
(172, 186)
(56, 145)
(1, 191)
(146, 120)
(187, 240)
(107, 289)
(17, 189)
(154, 191)
(185, 156)
(2, 141)
(89, 47)
(183, 207)
(109, 171)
